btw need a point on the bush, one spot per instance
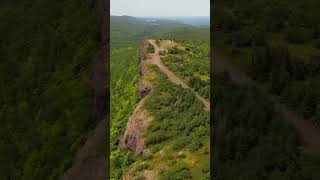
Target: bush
(150, 49)
(181, 143)
(182, 156)
(156, 138)
(139, 178)
(142, 166)
(179, 172)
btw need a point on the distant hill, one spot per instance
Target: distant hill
(188, 34)
(130, 31)
(194, 21)
(127, 30)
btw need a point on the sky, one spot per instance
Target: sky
(160, 8)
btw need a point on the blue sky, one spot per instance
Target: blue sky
(161, 8)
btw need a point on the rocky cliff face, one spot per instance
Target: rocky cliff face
(137, 127)
(144, 86)
(139, 121)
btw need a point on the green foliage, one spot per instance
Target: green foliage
(296, 81)
(150, 48)
(130, 31)
(178, 116)
(187, 34)
(252, 142)
(120, 161)
(123, 99)
(179, 172)
(46, 103)
(191, 63)
(123, 88)
(141, 167)
(278, 61)
(172, 110)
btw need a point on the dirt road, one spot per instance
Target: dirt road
(172, 77)
(310, 134)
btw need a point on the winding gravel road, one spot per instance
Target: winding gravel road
(156, 60)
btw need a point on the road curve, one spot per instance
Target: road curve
(156, 60)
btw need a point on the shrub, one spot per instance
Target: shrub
(142, 166)
(150, 49)
(182, 156)
(156, 138)
(181, 143)
(179, 172)
(139, 178)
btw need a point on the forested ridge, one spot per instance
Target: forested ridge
(180, 129)
(160, 137)
(46, 103)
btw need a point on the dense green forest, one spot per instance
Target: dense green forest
(46, 103)
(191, 63)
(252, 141)
(188, 34)
(131, 31)
(124, 97)
(277, 44)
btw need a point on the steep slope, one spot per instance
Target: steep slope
(147, 135)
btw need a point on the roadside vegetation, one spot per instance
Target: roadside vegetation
(190, 61)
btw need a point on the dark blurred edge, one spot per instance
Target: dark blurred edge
(104, 14)
(214, 6)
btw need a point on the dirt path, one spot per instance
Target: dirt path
(310, 134)
(157, 61)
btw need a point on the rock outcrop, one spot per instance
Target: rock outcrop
(140, 119)
(144, 86)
